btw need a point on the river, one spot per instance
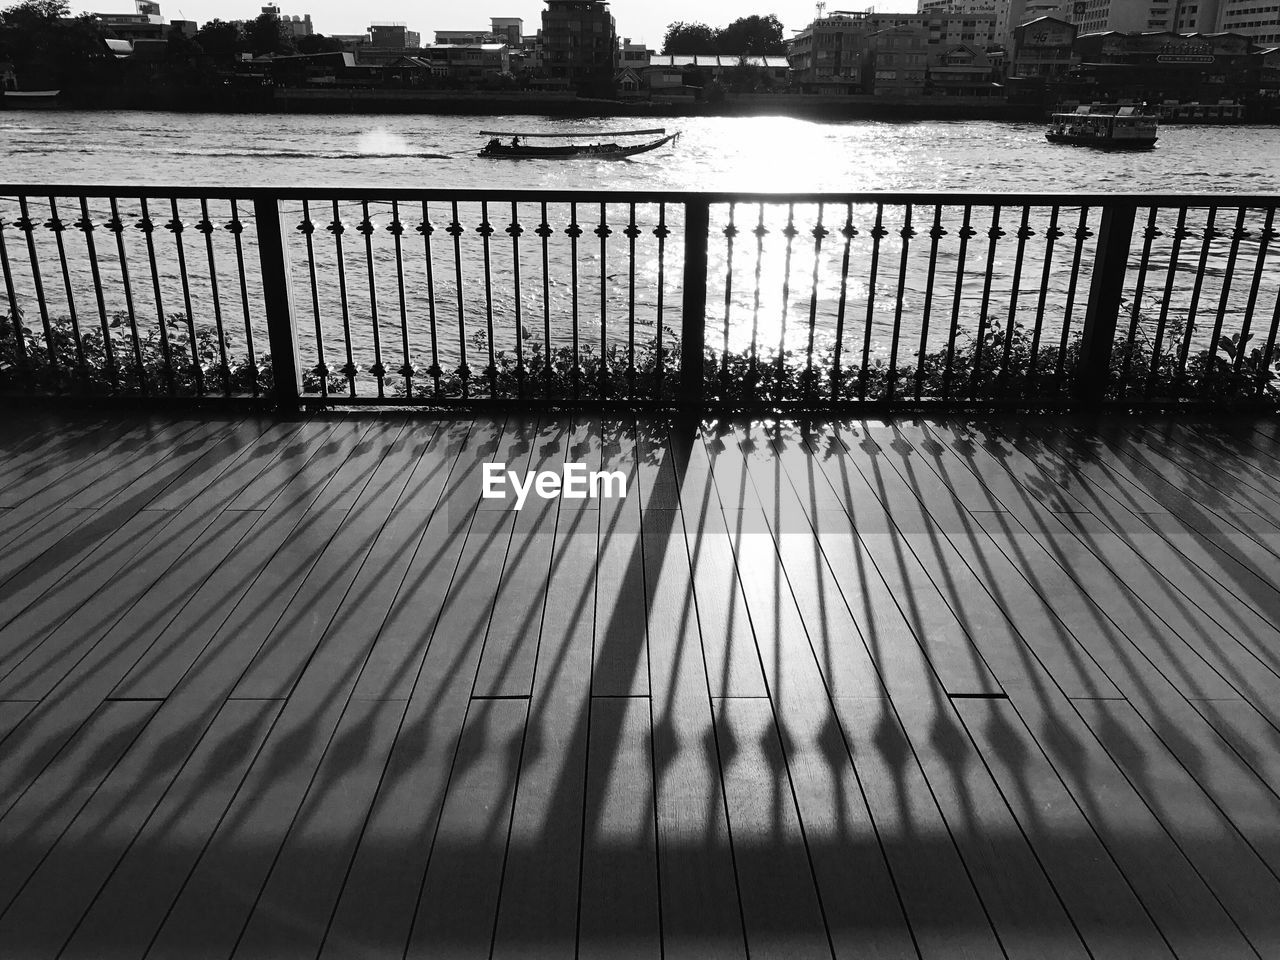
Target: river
(731, 154)
(716, 153)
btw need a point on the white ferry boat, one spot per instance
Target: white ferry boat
(1107, 127)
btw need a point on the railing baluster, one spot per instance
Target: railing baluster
(1180, 233)
(760, 231)
(116, 226)
(236, 227)
(205, 226)
(338, 228)
(1238, 233)
(574, 231)
(544, 233)
(966, 232)
(603, 231)
(396, 229)
(661, 231)
(819, 231)
(455, 231)
(1051, 236)
(86, 226)
(1264, 240)
(730, 232)
(367, 229)
(633, 232)
(1149, 233)
(486, 231)
(548, 367)
(307, 228)
(1082, 233)
(147, 226)
(849, 231)
(515, 230)
(426, 228)
(789, 231)
(58, 227)
(936, 233)
(1269, 352)
(27, 226)
(19, 341)
(1197, 287)
(1024, 233)
(877, 232)
(176, 226)
(907, 232)
(993, 234)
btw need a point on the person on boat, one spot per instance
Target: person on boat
(515, 141)
(493, 145)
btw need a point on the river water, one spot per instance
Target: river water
(731, 154)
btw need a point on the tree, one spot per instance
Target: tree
(267, 34)
(48, 46)
(687, 38)
(755, 35)
(318, 43)
(220, 40)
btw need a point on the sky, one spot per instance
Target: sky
(642, 20)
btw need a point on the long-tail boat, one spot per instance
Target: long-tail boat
(517, 149)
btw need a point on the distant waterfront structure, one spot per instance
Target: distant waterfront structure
(633, 56)
(510, 29)
(1008, 14)
(394, 36)
(145, 22)
(298, 26)
(1043, 49)
(1168, 65)
(1122, 16)
(578, 44)
(469, 62)
(1197, 16)
(834, 53)
(1256, 19)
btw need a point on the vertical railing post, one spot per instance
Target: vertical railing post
(693, 317)
(277, 293)
(1106, 290)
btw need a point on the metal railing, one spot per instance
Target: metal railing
(646, 299)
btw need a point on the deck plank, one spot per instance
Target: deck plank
(133, 843)
(433, 666)
(538, 909)
(34, 821)
(863, 914)
(458, 905)
(1231, 866)
(700, 911)
(619, 912)
(1111, 919)
(621, 661)
(780, 906)
(510, 649)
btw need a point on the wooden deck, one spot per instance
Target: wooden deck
(291, 689)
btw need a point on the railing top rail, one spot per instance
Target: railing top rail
(377, 193)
